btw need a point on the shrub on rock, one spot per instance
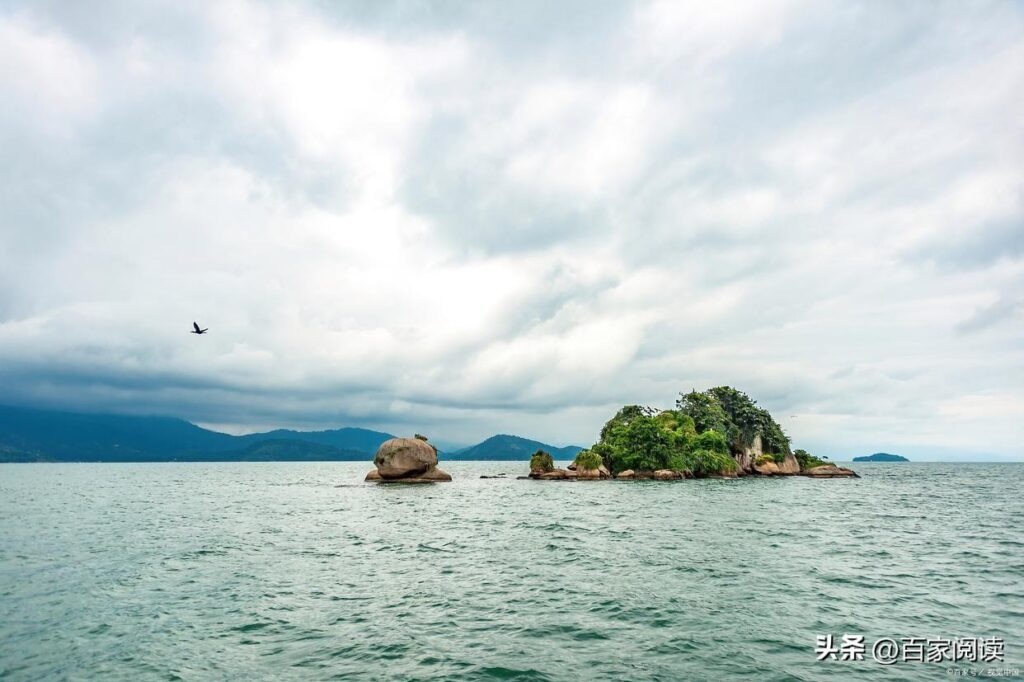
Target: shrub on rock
(541, 461)
(807, 460)
(588, 460)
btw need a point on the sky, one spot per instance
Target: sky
(463, 219)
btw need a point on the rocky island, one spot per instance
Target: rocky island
(717, 433)
(881, 457)
(407, 460)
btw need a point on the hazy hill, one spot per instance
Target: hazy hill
(287, 450)
(29, 435)
(881, 457)
(348, 438)
(508, 448)
(68, 436)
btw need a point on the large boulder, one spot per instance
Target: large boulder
(627, 474)
(767, 468)
(666, 475)
(407, 460)
(404, 458)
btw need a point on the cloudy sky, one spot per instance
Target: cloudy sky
(471, 218)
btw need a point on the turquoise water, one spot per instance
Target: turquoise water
(301, 571)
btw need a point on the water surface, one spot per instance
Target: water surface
(300, 570)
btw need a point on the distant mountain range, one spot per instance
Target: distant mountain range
(49, 436)
(510, 448)
(881, 457)
(30, 435)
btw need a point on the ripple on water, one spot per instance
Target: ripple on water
(302, 570)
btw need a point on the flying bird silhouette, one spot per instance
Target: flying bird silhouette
(197, 330)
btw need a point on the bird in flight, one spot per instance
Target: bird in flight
(197, 330)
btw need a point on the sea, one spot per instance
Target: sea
(296, 571)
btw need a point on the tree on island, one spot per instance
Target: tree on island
(736, 415)
(701, 437)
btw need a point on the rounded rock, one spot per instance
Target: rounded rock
(404, 458)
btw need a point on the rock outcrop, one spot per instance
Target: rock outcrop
(593, 474)
(789, 465)
(407, 460)
(830, 471)
(749, 455)
(554, 475)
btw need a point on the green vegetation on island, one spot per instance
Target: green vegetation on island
(588, 459)
(807, 461)
(717, 432)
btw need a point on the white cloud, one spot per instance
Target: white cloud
(706, 32)
(46, 81)
(452, 227)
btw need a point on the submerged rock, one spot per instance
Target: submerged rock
(553, 475)
(407, 460)
(830, 471)
(435, 474)
(432, 475)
